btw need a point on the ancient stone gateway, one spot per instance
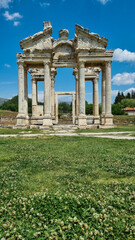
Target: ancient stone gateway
(73, 104)
(42, 55)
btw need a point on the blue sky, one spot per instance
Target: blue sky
(113, 19)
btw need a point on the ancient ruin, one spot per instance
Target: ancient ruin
(42, 55)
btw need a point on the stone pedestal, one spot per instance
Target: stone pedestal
(82, 121)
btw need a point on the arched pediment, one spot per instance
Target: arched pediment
(63, 49)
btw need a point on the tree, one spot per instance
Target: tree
(65, 107)
(117, 109)
(12, 105)
(128, 95)
(117, 99)
(133, 94)
(128, 103)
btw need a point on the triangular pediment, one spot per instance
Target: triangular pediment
(41, 40)
(87, 40)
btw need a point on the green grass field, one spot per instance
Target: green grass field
(67, 188)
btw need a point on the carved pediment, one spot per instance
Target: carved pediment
(85, 45)
(63, 49)
(86, 40)
(39, 41)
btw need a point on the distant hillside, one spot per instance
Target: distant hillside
(12, 105)
(2, 100)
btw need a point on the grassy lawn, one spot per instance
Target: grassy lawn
(67, 188)
(19, 131)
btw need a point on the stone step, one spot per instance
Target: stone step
(59, 127)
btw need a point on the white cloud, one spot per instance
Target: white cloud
(124, 78)
(103, 1)
(115, 92)
(44, 4)
(7, 65)
(40, 96)
(11, 17)
(123, 55)
(5, 3)
(16, 23)
(129, 90)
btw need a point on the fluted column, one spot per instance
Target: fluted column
(47, 121)
(73, 108)
(77, 96)
(96, 101)
(34, 92)
(53, 74)
(52, 97)
(22, 117)
(26, 92)
(34, 97)
(21, 88)
(81, 78)
(56, 103)
(108, 112)
(103, 96)
(93, 99)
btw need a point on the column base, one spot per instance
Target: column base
(22, 120)
(47, 120)
(82, 123)
(102, 119)
(96, 120)
(36, 120)
(109, 120)
(53, 119)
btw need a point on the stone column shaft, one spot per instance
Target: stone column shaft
(73, 108)
(77, 96)
(108, 111)
(21, 86)
(34, 92)
(96, 101)
(103, 91)
(25, 92)
(56, 102)
(81, 72)
(93, 99)
(81, 75)
(52, 97)
(108, 89)
(47, 121)
(22, 117)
